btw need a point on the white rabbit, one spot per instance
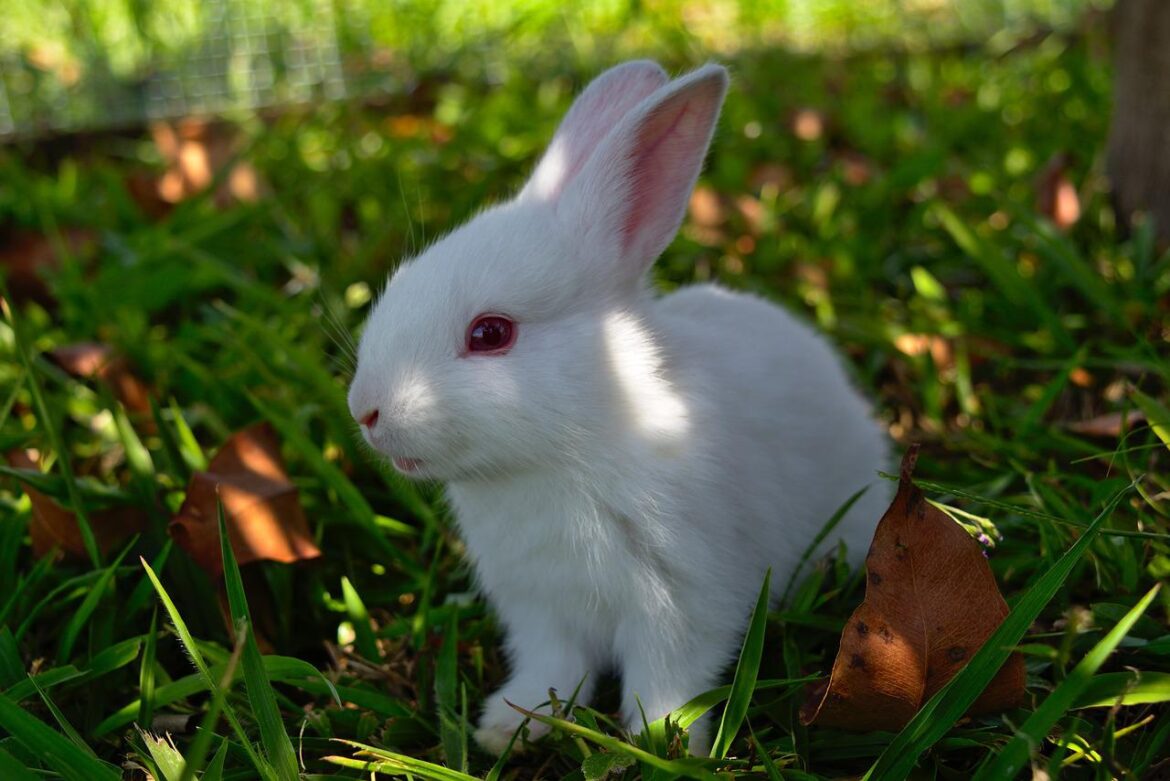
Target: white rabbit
(623, 467)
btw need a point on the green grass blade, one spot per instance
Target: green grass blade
(953, 700)
(56, 441)
(11, 664)
(83, 613)
(57, 751)
(275, 740)
(452, 728)
(1126, 688)
(39, 572)
(1077, 270)
(142, 595)
(691, 767)
(62, 722)
(1001, 271)
(189, 447)
(32, 684)
(166, 757)
(688, 714)
(197, 753)
(137, 456)
(114, 657)
(765, 760)
(208, 682)
(397, 765)
(173, 457)
(1012, 758)
(746, 671)
(359, 616)
(214, 771)
(279, 668)
(825, 531)
(80, 585)
(12, 769)
(146, 673)
(1156, 415)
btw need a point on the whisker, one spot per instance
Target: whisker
(336, 332)
(412, 245)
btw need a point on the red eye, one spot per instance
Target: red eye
(491, 334)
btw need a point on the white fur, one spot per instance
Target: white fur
(627, 472)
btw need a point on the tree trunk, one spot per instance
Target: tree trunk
(1139, 135)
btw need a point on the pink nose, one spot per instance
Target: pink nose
(370, 419)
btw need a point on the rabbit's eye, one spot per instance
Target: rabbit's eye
(491, 334)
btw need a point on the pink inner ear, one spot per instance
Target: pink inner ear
(589, 121)
(662, 165)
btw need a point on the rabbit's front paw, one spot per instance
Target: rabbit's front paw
(499, 723)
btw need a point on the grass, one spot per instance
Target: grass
(902, 219)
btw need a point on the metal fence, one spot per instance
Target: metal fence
(245, 59)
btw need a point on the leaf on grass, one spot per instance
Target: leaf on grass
(53, 526)
(930, 602)
(1056, 196)
(94, 360)
(1108, 426)
(808, 124)
(265, 518)
(199, 154)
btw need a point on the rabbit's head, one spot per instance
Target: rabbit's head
(493, 350)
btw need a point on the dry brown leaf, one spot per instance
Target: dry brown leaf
(1108, 426)
(1056, 196)
(707, 208)
(918, 344)
(930, 603)
(263, 512)
(196, 151)
(52, 526)
(708, 213)
(808, 124)
(94, 360)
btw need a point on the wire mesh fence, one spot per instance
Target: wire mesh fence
(69, 65)
(243, 58)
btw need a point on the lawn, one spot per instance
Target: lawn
(938, 207)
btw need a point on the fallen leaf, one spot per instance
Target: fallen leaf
(1108, 426)
(1056, 196)
(52, 526)
(1081, 377)
(94, 360)
(197, 151)
(808, 124)
(708, 213)
(707, 209)
(265, 520)
(918, 344)
(930, 603)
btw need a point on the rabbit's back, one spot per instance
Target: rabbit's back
(788, 434)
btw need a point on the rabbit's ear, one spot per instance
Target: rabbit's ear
(633, 192)
(595, 112)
